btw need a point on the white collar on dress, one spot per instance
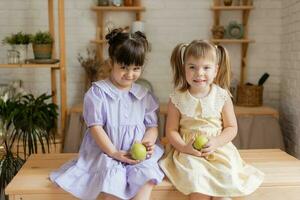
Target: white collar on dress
(187, 103)
(111, 90)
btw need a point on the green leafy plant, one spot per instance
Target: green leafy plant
(42, 38)
(17, 39)
(27, 122)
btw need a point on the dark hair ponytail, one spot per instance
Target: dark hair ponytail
(127, 48)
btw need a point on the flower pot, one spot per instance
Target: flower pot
(42, 51)
(227, 2)
(103, 2)
(128, 2)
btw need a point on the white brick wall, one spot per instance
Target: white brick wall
(273, 24)
(290, 75)
(167, 23)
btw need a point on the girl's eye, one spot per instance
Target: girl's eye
(192, 67)
(206, 67)
(137, 68)
(123, 67)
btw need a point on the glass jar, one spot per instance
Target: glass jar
(117, 2)
(13, 56)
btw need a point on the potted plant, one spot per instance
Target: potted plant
(92, 66)
(42, 45)
(19, 42)
(26, 122)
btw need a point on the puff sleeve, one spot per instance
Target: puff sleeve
(152, 105)
(221, 97)
(93, 109)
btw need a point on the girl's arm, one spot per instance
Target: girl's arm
(149, 139)
(229, 130)
(173, 134)
(151, 135)
(105, 144)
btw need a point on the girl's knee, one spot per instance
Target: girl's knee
(150, 183)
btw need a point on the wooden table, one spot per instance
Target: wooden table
(282, 178)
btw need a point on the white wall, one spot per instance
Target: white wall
(167, 23)
(290, 75)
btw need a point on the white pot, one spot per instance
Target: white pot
(137, 26)
(23, 51)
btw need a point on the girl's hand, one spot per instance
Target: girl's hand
(189, 149)
(124, 157)
(210, 146)
(150, 148)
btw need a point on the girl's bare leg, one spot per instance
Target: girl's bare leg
(222, 198)
(106, 196)
(198, 196)
(145, 192)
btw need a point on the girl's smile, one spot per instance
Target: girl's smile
(124, 76)
(200, 74)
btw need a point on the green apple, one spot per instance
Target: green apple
(138, 151)
(200, 141)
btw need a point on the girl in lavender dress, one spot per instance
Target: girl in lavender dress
(118, 113)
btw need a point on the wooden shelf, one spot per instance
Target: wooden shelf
(53, 66)
(98, 41)
(57, 68)
(232, 7)
(247, 6)
(239, 110)
(232, 40)
(118, 8)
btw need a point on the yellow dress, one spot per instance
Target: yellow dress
(222, 174)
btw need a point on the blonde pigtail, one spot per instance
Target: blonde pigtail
(177, 63)
(223, 77)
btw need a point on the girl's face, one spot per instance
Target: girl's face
(124, 76)
(200, 73)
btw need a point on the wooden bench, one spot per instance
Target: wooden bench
(282, 178)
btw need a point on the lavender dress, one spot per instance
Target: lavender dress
(124, 115)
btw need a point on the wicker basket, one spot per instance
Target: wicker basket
(249, 95)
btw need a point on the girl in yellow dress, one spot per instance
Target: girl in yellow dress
(201, 104)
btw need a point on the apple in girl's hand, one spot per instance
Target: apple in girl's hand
(200, 141)
(138, 151)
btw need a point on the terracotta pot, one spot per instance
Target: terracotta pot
(128, 2)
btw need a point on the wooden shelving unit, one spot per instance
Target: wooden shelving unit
(245, 9)
(60, 67)
(219, 7)
(232, 40)
(100, 10)
(54, 66)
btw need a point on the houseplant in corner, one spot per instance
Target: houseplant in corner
(94, 69)
(42, 43)
(19, 43)
(27, 123)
